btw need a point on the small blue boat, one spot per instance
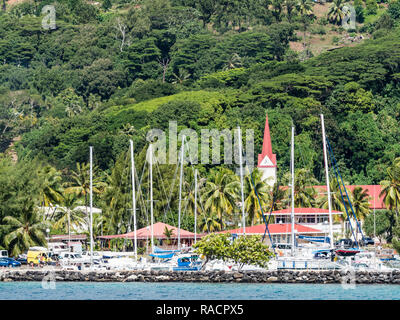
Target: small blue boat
(188, 263)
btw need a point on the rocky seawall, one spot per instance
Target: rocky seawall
(284, 276)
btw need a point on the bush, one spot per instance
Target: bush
(394, 10)
(243, 250)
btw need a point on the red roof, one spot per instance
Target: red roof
(267, 148)
(373, 191)
(304, 211)
(158, 232)
(275, 228)
(61, 237)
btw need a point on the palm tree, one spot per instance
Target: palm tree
(277, 198)
(51, 189)
(235, 61)
(391, 186)
(336, 13)
(219, 195)
(181, 76)
(253, 186)
(336, 200)
(168, 234)
(80, 184)
(304, 193)
(211, 223)
(290, 6)
(25, 230)
(360, 203)
(66, 218)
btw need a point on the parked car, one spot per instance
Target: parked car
(3, 254)
(9, 262)
(97, 257)
(368, 241)
(22, 258)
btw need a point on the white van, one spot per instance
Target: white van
(3, 254)
(67, 258)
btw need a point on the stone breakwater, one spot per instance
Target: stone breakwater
(286, 276)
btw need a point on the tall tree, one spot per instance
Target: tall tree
(255, 188)
(80, 184)
(336, 13)
(25, 230)
(219, 196)
(391, 186)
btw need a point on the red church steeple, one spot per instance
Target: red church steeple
(267, 159)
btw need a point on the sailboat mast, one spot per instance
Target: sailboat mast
(195, 205)
(91, 205)
(327, 182)
(133, 197)
(241, 180)
(151, 195)
(292, 191)
(180, 194)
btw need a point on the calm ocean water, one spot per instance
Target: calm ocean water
(194, 291)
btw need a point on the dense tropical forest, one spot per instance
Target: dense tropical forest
(109, 71)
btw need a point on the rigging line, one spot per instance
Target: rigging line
(258, 198)
(348, 198)
(168, 207)
(192, 167)
(187, 203)
(341, 195)
(162, 182)
(140, 191)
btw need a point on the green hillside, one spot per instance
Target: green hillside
(109, 71)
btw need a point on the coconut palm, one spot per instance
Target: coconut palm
(254, 186)
(211, 223)
(290, 6)
(235, 61)
(304, 193)
(189, 189)
(336, 13)
(25, 230)
(80, 184)
(220, 195)
(168, 233)
(66, 218)
(391, 186)
(360, 204)
(336, 200)
(51, 188)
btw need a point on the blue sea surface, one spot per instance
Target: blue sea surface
(193, 291)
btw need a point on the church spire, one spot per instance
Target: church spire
(266, 158)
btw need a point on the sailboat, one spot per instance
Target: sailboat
(313, 255)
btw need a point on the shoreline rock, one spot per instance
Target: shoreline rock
(268, 276)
